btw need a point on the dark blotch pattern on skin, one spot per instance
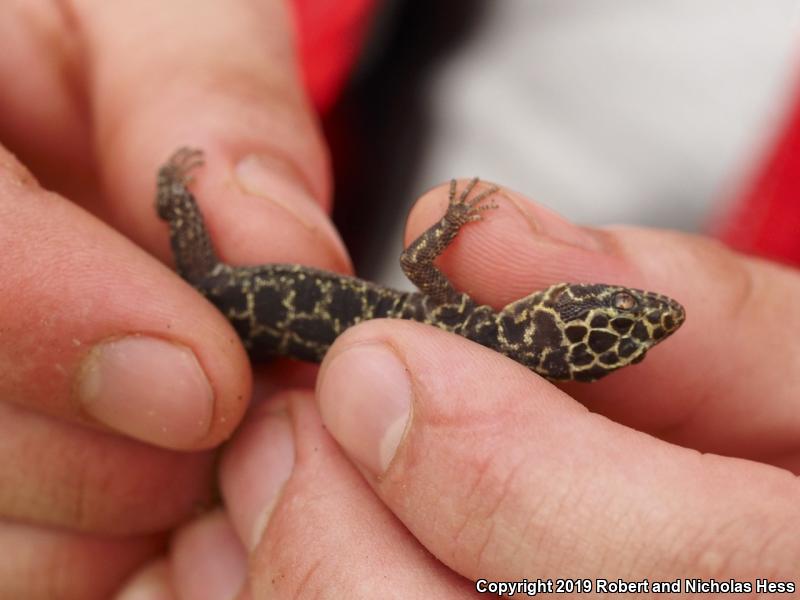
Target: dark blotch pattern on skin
(627, 347)
(640, 332)
(609, 358)
(576, 333)
(308, 295)
(449, 316)
(567, 331)
(514, 331)
(556, 363)
(600, 341)
(346, 304)
(546, 332)
(270, 300)
(622, 325)
(237, 302)
(581, 356)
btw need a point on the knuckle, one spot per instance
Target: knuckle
(499, 516)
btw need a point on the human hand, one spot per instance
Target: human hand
(109, 363)
(467, 466)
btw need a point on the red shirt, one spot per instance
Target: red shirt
(330, 34)
(765, 221)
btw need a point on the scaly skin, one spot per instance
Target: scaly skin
(567, 332)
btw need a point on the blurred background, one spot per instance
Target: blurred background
(667, 113)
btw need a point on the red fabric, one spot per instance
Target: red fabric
(766, 221)
(330, 34)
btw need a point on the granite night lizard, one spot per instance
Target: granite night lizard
(569, 331)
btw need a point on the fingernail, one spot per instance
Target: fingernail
(365, 400)
(544, 221)
(269, 175)
(277, 180)
(267, 469)
(150, 389)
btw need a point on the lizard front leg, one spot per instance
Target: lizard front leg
(417, 260)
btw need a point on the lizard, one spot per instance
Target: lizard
(569, 331)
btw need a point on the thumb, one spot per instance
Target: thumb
(499, 474)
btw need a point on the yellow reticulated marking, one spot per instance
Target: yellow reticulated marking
(288, 300)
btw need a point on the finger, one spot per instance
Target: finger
(207, 559)
(50, 563)
(95, 331)
(221, 77)
(731, 359)
(64, 475)
(43, 115)
(152, 582)
(283, 479)
(499, 474)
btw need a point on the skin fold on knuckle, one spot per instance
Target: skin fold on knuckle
(685, 261)
(280, 567)
(52, 563)
(738, 298)
(484, 516)
(68, 476)
(497, 519)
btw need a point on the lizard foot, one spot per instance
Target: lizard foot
(173, 180)
(462, 209)
(182, 163)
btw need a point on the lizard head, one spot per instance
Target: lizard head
(585, 331)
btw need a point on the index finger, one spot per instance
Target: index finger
(221, 77)
(731, 363)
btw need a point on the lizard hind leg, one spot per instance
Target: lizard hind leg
(417, 260)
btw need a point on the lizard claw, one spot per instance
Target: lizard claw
(491, 206)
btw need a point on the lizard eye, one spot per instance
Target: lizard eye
(623, 301)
